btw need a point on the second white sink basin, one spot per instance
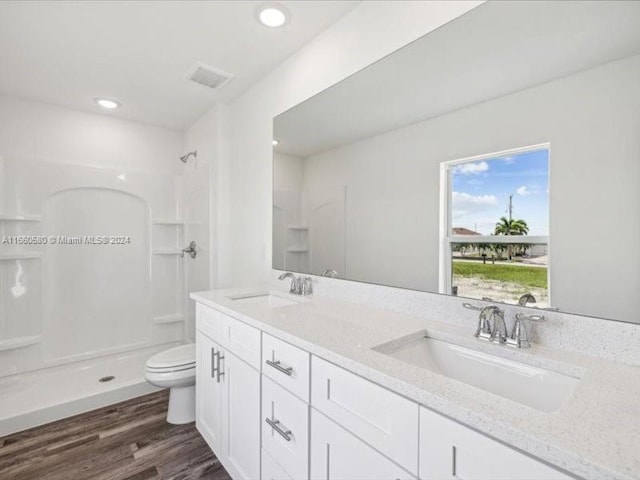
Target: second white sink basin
(535, 387)
(265, 299)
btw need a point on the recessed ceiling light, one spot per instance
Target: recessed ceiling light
(106, 103)
(275, 142)
(272, 15)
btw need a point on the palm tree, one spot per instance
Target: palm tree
(510, 226)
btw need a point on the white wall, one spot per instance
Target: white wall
(201, 137)
(366, 34)
(393, 186)
(57, 134)
(288, 172)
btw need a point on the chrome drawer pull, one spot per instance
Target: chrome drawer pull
(219, 372)
(279, 367)
(213, 362)
(274, 424)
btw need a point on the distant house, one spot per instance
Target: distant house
(463, 231)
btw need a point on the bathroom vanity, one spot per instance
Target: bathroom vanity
(292, 388)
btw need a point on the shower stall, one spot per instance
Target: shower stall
(93, 281)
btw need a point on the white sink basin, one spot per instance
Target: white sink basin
(535, 387)
(264, 299)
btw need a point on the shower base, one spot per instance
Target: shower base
(35, 398)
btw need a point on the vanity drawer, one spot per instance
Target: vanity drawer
(338, 455)
(449, 450)
(286, 365)
(242, 340)
(271, 470)
(209, 322)
(285, 429)
(385, 420)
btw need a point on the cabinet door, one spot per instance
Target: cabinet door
(449, 450)
(285, 429)
(209, 393)
(338, 455)
(242, 413)
(271, 470)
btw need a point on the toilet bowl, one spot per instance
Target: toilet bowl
(175, 369)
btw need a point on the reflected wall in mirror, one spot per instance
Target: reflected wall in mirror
(476, 163)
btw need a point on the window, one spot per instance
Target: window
(495, 226)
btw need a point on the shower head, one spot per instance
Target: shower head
(184, 158)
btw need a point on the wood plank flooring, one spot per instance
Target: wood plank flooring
(126, 441)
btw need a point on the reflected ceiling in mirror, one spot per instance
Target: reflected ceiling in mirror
(419, 171)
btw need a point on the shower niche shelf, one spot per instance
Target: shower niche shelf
(168, 222)
(20, 218)
(297, 250)
(7, 257)
(19, 342)
(164, 319)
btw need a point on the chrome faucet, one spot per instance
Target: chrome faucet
(526, 298)
(519, 337)
(491, 324)
(499, 330)
(299, 285)
(329, 272)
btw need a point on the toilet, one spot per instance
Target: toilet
(175, 369)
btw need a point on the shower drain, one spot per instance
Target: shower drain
(108, 378)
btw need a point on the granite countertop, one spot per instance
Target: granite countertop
(595, 434)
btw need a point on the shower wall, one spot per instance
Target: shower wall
(106, 207)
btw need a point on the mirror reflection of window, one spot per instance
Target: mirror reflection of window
(497, 214)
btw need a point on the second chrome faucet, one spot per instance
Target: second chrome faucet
(299, 285)
(492, 326)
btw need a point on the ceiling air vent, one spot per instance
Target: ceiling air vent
(208, 76)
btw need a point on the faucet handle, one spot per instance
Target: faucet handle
(519, 337)
(469, 306)
(484, 330)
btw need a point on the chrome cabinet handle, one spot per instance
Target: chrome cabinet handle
(213, 362)
(278, 366)
(275, 425)
(219, 372)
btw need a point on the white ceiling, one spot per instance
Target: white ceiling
(496, 49)
(139, 52)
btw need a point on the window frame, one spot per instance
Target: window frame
(447, 239)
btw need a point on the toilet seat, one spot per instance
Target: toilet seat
(175, 359)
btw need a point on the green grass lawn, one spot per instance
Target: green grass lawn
(523, 275)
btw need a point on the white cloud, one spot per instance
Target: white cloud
(466, 204)
(524, 190)
(471, 168)
(508, 160)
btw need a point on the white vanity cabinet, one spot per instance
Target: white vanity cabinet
(449, 450)
(270, 410)
(228, 392)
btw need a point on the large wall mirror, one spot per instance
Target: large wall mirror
(497, 157)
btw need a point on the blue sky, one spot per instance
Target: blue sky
(480, 191)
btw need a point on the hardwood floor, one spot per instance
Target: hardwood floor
(126, 441)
